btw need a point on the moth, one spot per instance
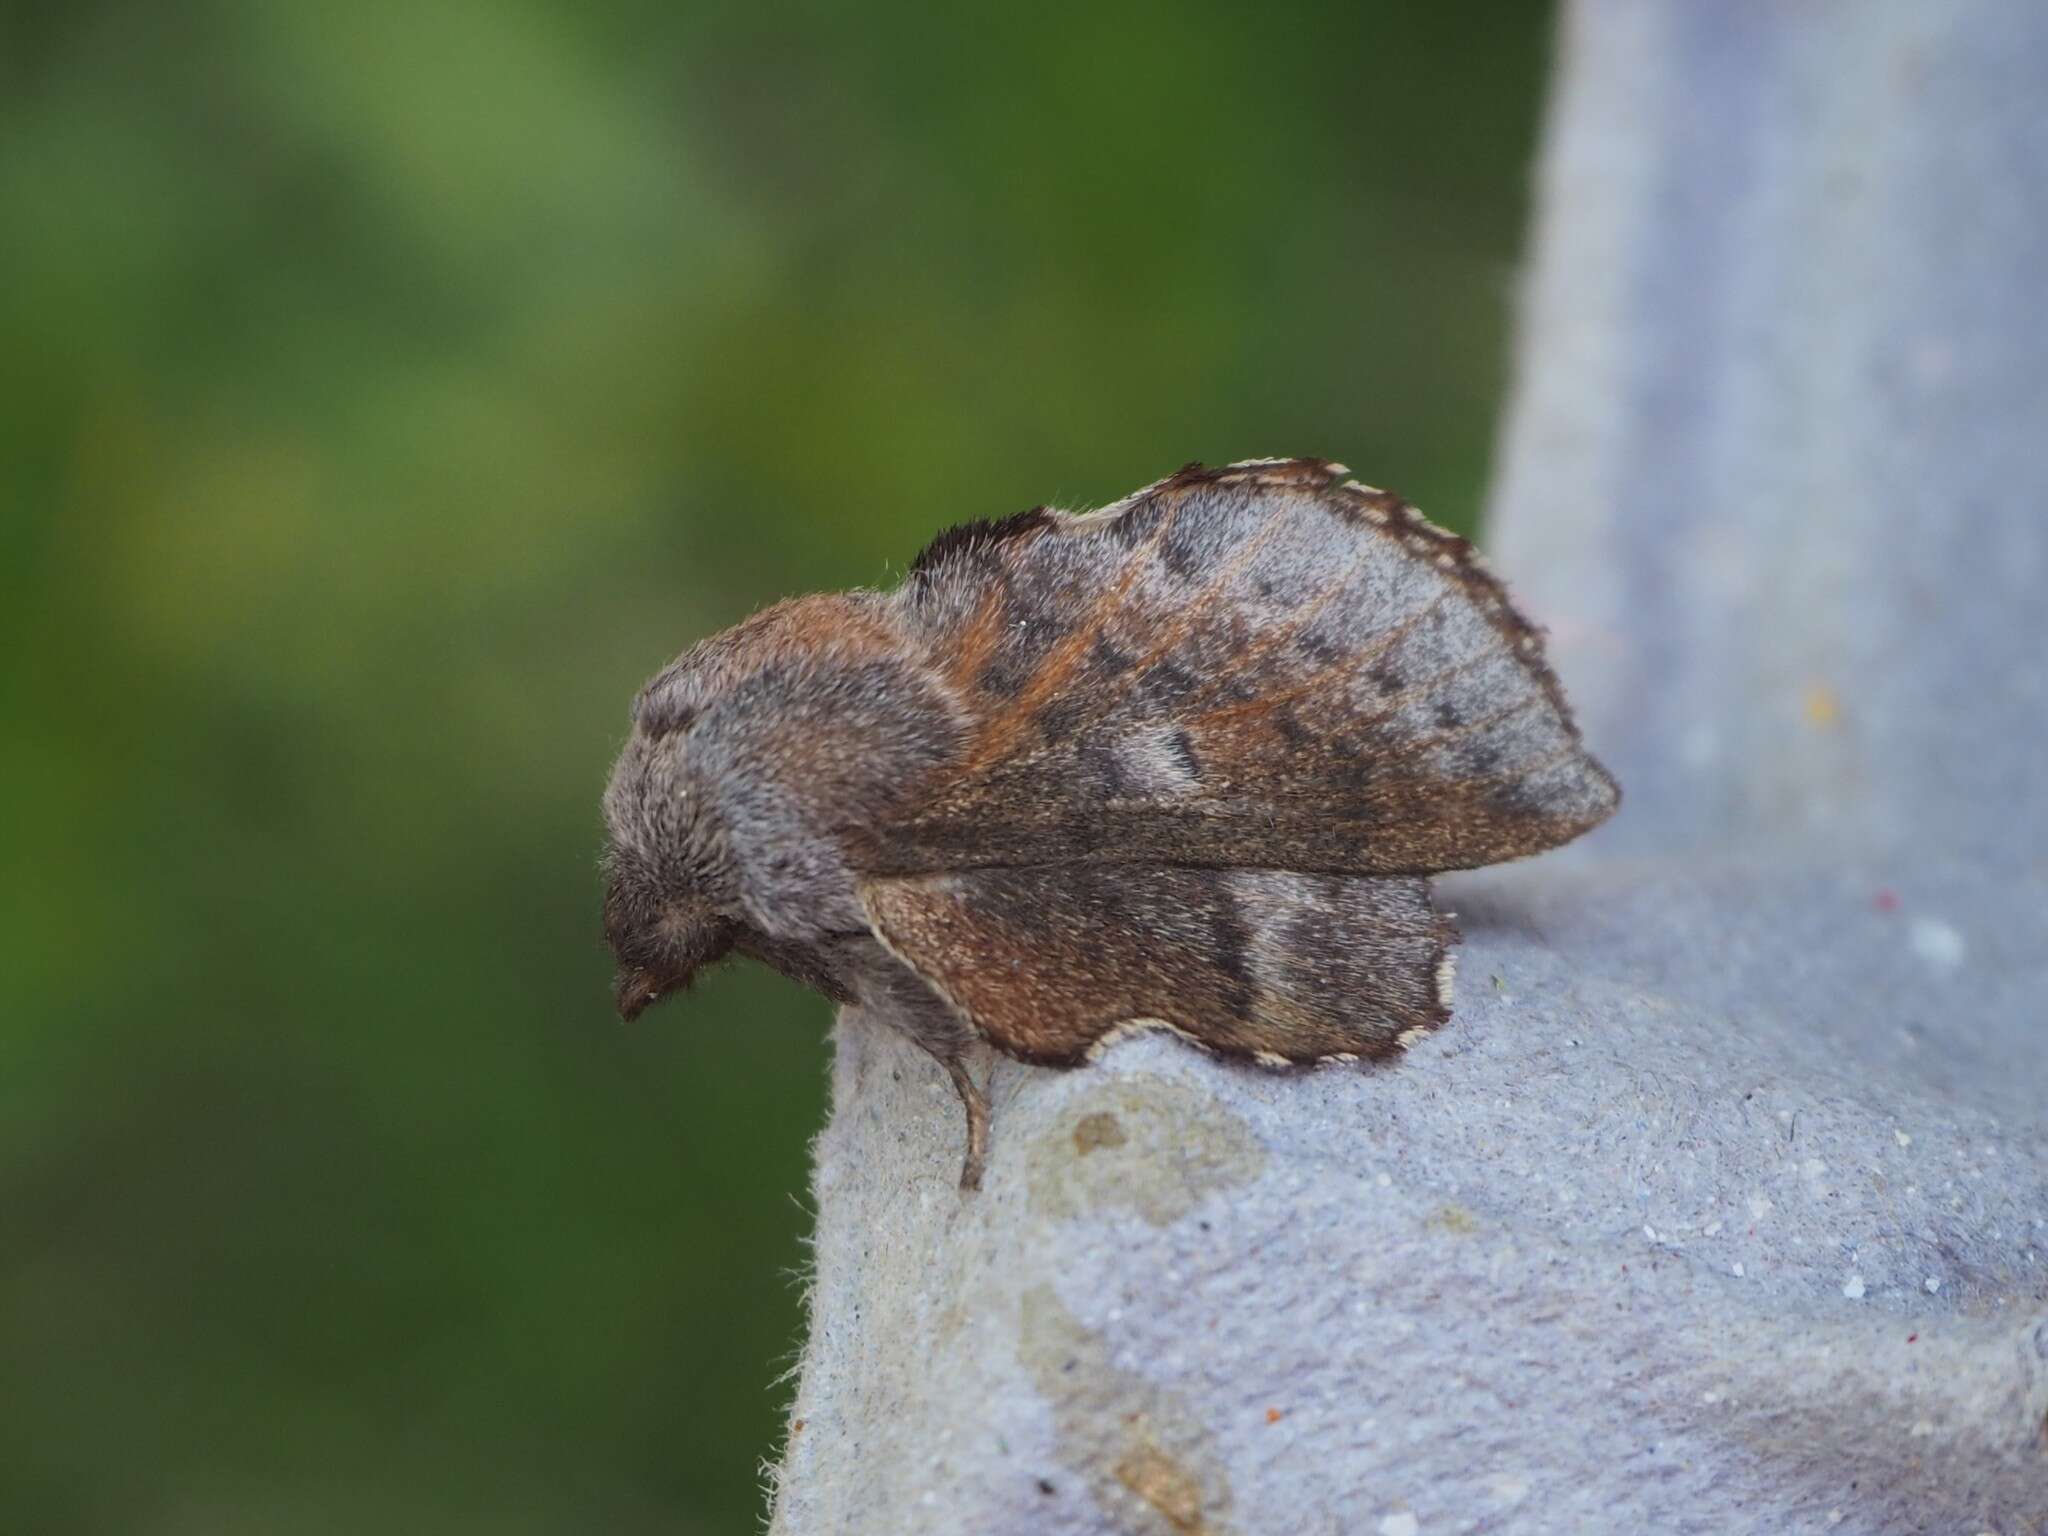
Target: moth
(1184, 762)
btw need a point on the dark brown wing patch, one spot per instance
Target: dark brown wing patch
(1049, 962)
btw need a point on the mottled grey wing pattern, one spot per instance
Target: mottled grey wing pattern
(1216, 735)
(1264, 666)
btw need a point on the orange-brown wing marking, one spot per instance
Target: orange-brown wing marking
(1264, 666)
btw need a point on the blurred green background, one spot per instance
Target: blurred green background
(388, 389)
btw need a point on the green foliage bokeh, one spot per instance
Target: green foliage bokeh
(387, 389)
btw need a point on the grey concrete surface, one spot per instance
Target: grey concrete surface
(1722, 1203)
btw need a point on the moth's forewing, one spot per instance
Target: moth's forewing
(1266, 666)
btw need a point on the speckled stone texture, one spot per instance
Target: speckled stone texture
(1722, 1204)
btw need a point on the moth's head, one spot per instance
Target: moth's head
(670, 906)
(755, 757)
(691, 814)
(661, 934)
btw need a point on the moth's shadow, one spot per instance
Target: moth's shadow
(1517, 903)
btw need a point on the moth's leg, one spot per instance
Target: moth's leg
(901, 996)
(977, 1120)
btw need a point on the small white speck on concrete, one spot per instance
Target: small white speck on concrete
(1759, 1207)
(1650, 1232)
(1384, 1181)
(1853, 1288)
(1933, 1283)
(1814, 1168)
(1938, 943)
(1711, 1229)
(1402, 1524)
(1737, 1270)
(1710, 1398)
(1902, 1138)
(1834, 1517)
(1922, 1429)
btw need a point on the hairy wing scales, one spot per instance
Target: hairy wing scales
(1048, 962)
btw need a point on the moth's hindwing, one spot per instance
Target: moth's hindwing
(1266, 666)
(1048, 962)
